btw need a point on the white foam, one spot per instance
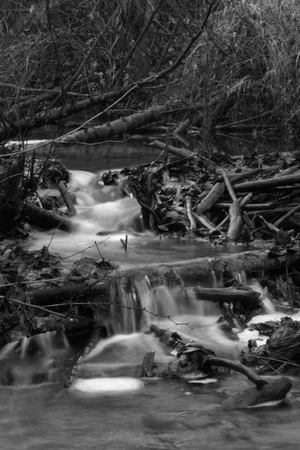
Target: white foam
(275, 317)
(107, 385)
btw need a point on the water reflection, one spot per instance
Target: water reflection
(166, 414)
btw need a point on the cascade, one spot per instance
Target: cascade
(269, 307)
(267, 302)
(33, 360)
(138, 302)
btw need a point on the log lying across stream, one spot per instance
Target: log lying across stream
(201, 358)
(189, 194)
(195, 279)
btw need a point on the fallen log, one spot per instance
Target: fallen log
(117, 127)
(268, 183)
(224, 294)
(200, 357)
(287, 216)
(229, 186)
(204, 270)
(182, 152)
(47, 220)
(216, 192)
(57, 295)
(71, 326)
(203, 220)
(248, 207)
(274, 391)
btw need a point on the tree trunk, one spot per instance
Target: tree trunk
(225, 294)
(47, 220)
(117, 127)
(268, 183)
(75, 291)
(204, 271)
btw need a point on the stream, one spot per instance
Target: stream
(125, 411)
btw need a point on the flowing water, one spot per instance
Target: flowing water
(110, 406)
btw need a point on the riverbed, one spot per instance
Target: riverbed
(161, 413)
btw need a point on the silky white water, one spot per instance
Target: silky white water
(37, 412)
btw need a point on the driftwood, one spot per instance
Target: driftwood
(274, 391)
(287, 216)
(235, 221)
(200, 270)
(224, 294)
(214, 194)
(181, 152)
(249, 207)
(71, 292)
(237, 367)
(71, 326)
(117, 127)
(199, 357)
(268, 183)
(203, 220)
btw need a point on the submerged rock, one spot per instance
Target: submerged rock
(276, 390)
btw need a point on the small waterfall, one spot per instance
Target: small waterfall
(24, 346)
(138, 303)
(254, 284)
(31, 360)
(264, 296)
(241, 277)
(103, 207)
